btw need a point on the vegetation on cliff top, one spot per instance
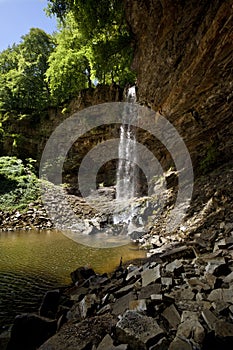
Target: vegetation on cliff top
(92, 46)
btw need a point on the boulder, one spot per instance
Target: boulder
(29, 331)
(50, 303)
(138, 330)
(81, 274)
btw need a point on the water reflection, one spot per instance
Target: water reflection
(36, 261)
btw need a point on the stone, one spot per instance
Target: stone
(150, 275)
(4, 340)
(223, 329)
(172, 316)
(29, 331)
(167, 281)
(147, 291)
(162, 344)
(190, 327)
(183, 251)
(138, 330)
(215, 265)
(228, 278)
(175, 267)
(180, 344)
(133, 273)
(81, 274)
(86, 305)
(81, 335)
(138, 305)
(156, 297)
(50, 303)
(124, 290)
(209, 318)
(107, 344)
(122, 304)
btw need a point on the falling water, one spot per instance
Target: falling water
(126, 172)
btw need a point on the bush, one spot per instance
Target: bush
(18, 184)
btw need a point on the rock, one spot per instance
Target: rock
(82, 335)
(124, 290)
(150, 275)
(175, 267)
(81, 274)
(223, 329)
(209, 318)
(146, 292)
(50, 303)
(138, 305)
(107, 344)
(172, 316)
(122, 304)
(138, 330)
(183, 251)
(4, 340)
(180, 344)
(29, 331)
(86, 305)
(162, 344)
(190, 327)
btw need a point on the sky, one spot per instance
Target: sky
(17, 17)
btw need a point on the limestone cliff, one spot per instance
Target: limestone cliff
(184, 59)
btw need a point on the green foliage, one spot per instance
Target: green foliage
(22, 73)
(97, 33)
(18, 184)
(68, 65)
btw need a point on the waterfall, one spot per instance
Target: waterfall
(126, 172)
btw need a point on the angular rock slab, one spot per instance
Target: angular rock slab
(107, 344)
(138, 330)
(150, 275)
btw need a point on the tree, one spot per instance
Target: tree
(106, 39)
(22, 73)
(69, 69)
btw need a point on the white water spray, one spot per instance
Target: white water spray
(126, 172)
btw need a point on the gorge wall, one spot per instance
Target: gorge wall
(184, 64)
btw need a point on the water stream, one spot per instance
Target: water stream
(36, 261)
(126, 171)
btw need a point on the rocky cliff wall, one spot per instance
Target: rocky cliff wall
(26, 137)
(184, 64)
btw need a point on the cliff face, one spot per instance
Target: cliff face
(184, 59)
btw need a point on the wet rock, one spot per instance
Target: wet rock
(50, 303)
(137, 330)
(81, 274)
(86, 305)
(29, 331)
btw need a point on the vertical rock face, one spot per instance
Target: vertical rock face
(183, 59)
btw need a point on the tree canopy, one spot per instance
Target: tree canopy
(93, 46)
(22, 73)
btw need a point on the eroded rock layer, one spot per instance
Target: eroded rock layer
(183, 59)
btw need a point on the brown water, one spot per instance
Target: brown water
(36, 261)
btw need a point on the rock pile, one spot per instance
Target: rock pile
(178, 299)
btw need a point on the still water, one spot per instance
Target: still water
(36, 261)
